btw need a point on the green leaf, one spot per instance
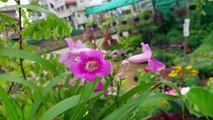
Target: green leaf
(60, 108)
(202, 99)
(3, 0)
(178, 92)
(79, 111)
(8, 105)
(20, 80)
(157, 98)
(123, 99)
(63, 106)
(143, 100)
(123, 111)
(6, 22)
(51, 25)
(9, 52)
(46, 90)
(31, 7)
(27, 108)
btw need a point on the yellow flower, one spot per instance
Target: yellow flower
(188, 67)
(172, 74)
(195, 72)
(211, 78)
(178, 67)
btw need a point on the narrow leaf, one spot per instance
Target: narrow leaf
(9, 52)
(8, 105)
(63, 106)
(46, 90)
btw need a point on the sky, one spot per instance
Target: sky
(93, 2)
(88, 2)
(12, 2)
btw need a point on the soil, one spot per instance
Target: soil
(130, 73)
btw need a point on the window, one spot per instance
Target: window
(67, 6)
(51, 5)
(70, 18)
(39, 14)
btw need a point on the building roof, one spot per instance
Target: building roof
(109, 6)
(10, 12)
(70, 2)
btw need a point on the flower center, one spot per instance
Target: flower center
(92, 65)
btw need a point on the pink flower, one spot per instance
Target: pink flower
(99, 86)
(146, 69)
(153, 64)
(89, 65)
(75, 49)
(172, 91)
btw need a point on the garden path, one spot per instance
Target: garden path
(130, 73)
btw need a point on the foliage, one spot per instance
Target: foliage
(130, 43)
(50, 91)
(200, 99)
(203, 54)
(46, 25)
(183, 76)
(5, 22)
(116, 55)
(169, 57)
(144, 112)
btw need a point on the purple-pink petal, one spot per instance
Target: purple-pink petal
(69, 42)
(146, 48)
(83, 56)
(105, 69)
(74, 45)
(79, 50)
(95, 54)
(155, 65)
(89, 65)
(75, 69)
(68, 58)
(89, 77)
(99, 87)
(75, 49)
(139, 58)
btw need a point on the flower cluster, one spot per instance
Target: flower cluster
(188, 70)
(185, 76)
(88, 64)
(183, 90)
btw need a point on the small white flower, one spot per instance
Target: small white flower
(112, 91)
(185, 90)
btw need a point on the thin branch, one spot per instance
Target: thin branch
(16, 86)
(21, 40)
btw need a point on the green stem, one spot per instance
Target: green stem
(21, 60)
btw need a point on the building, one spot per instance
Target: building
(71, 10)
(39, 15)
(8, 33)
